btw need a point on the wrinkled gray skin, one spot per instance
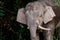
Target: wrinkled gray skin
(33, 11)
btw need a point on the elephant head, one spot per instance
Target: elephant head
(35, 13)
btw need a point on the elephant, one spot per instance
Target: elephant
(35, 14)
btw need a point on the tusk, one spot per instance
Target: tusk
(43, 28)
(39, 26)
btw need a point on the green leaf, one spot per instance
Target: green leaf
(1, 14)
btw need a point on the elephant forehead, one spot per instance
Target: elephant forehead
(33, 15)
(36, 11)
(33, 11)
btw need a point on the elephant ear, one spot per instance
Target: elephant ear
(49, 14)
(21, 16)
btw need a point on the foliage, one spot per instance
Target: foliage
(1, 13)
(56, 33)
(9, 28)
(57, 2)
